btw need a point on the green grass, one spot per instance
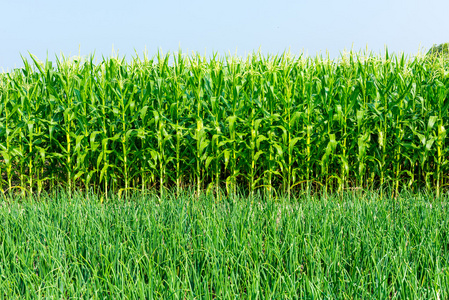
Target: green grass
(314, 247)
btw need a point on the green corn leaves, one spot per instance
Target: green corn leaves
(269, 123)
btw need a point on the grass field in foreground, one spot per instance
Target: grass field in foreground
(339, 247)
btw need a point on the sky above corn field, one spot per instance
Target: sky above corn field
(51, 27)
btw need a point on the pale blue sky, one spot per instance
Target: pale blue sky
(50, 26)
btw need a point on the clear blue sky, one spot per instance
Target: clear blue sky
(50, 26)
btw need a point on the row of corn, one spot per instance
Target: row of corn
(273, 123)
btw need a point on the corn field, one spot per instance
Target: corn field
(272, 123)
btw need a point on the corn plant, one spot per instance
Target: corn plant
(278, 124)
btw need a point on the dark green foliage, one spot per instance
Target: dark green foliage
(186, 247)
(439, 50)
